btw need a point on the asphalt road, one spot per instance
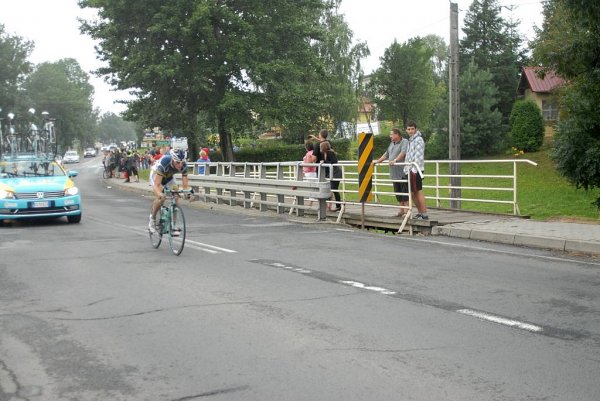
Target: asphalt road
(258, 308)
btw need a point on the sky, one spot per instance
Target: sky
(52, 25)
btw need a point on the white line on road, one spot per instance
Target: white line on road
(380, 290)
(501, 320)
(203, 245)
(188, 243)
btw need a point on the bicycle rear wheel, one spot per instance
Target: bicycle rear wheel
(177, 231)
(156, 237)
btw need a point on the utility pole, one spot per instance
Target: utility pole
(454, 112)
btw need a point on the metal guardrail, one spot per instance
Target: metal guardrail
(284, 181)
(223, 182)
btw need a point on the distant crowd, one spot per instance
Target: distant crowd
(123, 163)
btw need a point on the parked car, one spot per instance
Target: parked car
(36, 187)
(89, 152)
(71, 157)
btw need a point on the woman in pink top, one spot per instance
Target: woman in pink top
(309, 157)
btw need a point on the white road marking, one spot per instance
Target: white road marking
(380, 290)
(292, 268)
(501, 320)
(213, 249)
(203, 245)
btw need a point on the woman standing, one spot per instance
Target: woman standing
(330, 157)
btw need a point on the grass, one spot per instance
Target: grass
(545, 194)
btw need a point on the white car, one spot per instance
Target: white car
(71, 157)
(89, 152)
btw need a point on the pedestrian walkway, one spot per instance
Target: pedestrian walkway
(560, 236)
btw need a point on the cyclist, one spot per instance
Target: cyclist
(169, 165)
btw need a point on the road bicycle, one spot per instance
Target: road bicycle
(170, 221)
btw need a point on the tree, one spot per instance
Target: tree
(480, 117)
(403, 86)
(569, 44)
(232, 60)
(14, 67)
(526, 126)
(342, 65)
(63, 89)
(439, 57)
(112, 127)
(493, 44)
(439, 118)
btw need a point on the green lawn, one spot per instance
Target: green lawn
(545, 194)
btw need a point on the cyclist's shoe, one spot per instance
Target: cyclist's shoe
(152, 225)
(420, 216)
(176, 232)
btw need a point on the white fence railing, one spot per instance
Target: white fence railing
(257, 180)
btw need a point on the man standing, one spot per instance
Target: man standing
(323, 137)
(395, 153)
(416, 155)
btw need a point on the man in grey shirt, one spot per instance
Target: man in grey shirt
(395, 153)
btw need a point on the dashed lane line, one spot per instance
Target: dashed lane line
(428, 301)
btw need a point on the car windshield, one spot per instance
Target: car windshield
(30, 168)
(71, 153)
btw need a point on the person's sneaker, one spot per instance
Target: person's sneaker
(176, 232)
(420, 216)
(152, 225)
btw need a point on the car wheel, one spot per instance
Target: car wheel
(74, 219)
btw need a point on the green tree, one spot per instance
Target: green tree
(113, 128)
(233, 60)
(439, 57)
(494, 45)
(63, 89)
(526, 126)
(439, 118)
(403, 86)
(480, 117)
(569, 44)
(14, 67)
(342, 65)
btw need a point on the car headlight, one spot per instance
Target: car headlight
(71, 191)
(4, 194)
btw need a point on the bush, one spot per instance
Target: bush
(436, 147)
(280, 152)
(526, 126)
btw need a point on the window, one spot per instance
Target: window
(549, 110)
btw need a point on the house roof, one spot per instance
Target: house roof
(530, 79)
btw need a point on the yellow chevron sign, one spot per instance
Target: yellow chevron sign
(365, 166)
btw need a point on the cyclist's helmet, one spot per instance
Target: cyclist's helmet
(178, 155)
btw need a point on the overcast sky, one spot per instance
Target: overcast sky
(53, 26)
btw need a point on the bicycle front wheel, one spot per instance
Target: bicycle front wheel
(156, 236)
(105, 174)
(177, 231)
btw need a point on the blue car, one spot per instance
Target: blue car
(36, 187)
